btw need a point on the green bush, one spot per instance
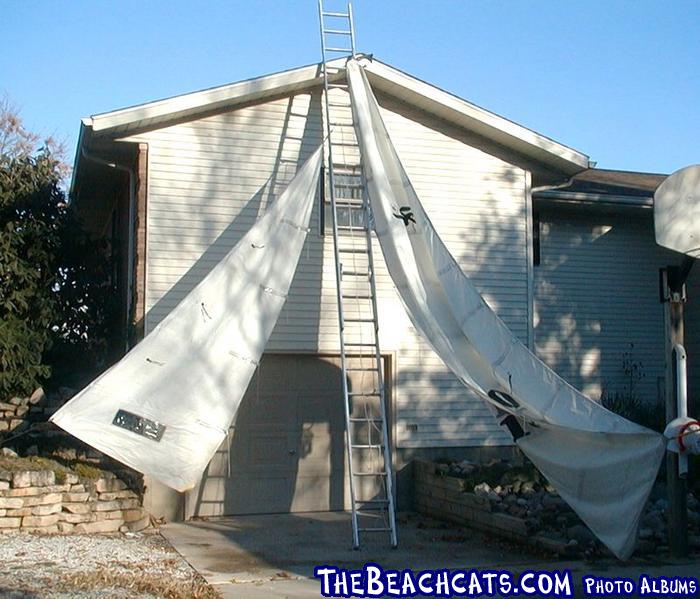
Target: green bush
(56, 303)
(31, 211)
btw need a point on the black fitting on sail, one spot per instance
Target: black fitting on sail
(511, 422)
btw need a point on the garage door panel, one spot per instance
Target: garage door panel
(268, 450)
(267, 409)
(326, 408)
(313, 494)
(275, 489)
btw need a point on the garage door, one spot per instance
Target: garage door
(286, 451)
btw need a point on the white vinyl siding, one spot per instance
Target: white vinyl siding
(597, 301)
(477, 204)
(210, 179)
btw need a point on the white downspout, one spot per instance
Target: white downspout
(567, 183)
(130, 235)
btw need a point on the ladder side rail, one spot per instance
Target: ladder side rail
(338, 274)
(386, 449)
(385, 440)
(352, 28)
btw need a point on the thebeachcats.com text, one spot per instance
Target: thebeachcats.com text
(374, 581)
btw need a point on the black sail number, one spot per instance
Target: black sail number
(502, 398)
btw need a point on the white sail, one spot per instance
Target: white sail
(166, 406)
(603, 465)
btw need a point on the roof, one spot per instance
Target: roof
(606, 187)
(551, 155)
(631, 182)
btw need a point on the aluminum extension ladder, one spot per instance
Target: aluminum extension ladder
(367, 438)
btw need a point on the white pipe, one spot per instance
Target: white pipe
(681, 399)
(552, 187)
(130, 234)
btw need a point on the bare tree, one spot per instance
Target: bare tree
(17, 142)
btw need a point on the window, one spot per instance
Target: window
(348, 196)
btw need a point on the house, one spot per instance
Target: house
(599, 322)
(564, 254)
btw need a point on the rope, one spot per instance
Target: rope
(682, 433)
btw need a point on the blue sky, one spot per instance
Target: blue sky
(617, 80)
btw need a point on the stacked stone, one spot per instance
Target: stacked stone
(18, 413)
(44, 405)
(13, 414)
(530, 511)
(32, 501)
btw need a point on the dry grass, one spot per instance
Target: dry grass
(82, 469)
(86, 470)
(138, 582)
(30, 463)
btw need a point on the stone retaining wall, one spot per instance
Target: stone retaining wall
(18, 413)
(34, 501)
(13, 414)
(444, 498)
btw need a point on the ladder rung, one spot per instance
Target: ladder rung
(354, 273)
(339, 124)
(336, 14)
(360, 394)
(373, 501)
(377, 513)
(351, 203)
(360, 344)
(384, 529)
(338, 86)
(337, 32)
(357, 297)
(359, 320)
(350, 251)
(382, 473)
(370, 512)
(375, 369)
(372, 446)
(358, 419)
(334, 49)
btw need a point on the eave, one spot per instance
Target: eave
(555, 160)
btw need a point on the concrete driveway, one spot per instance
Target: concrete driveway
(274, 555)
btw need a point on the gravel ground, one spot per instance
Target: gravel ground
(82, 567)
